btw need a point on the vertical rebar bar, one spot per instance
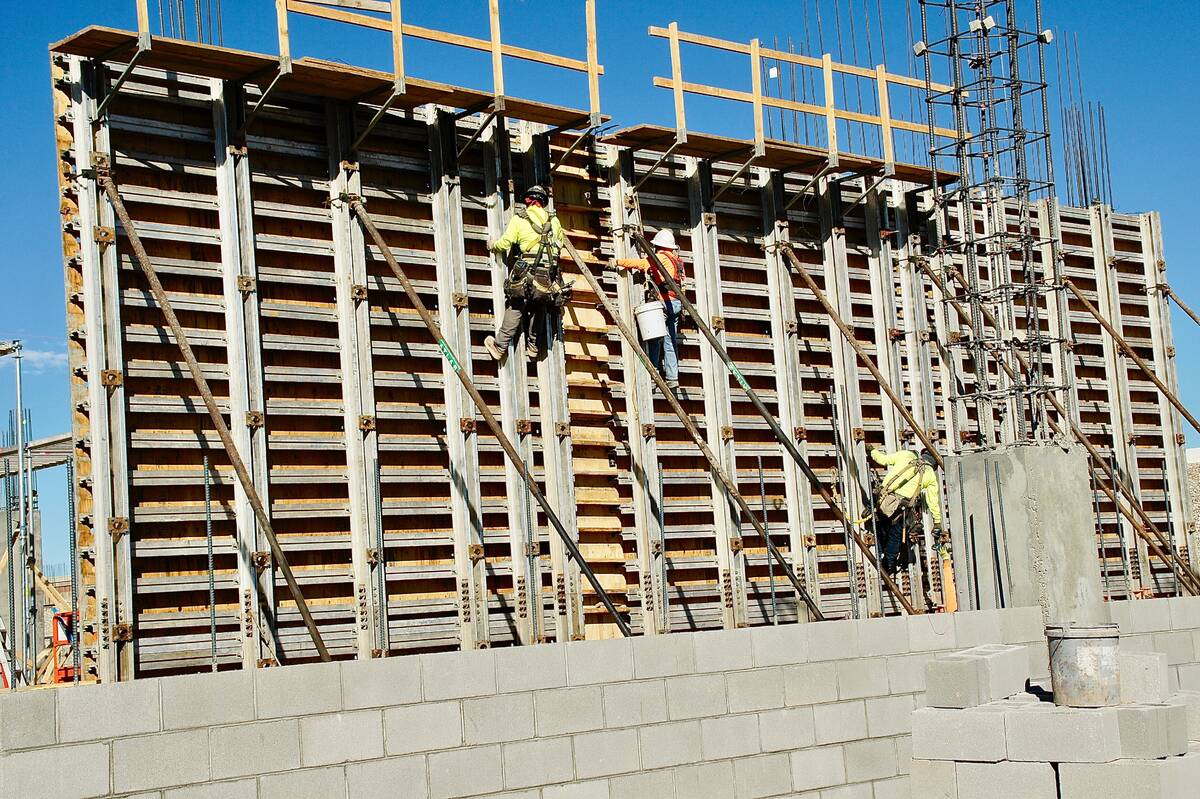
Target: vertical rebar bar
(10, 548)
(843, 484)
(1104, 571)
(212, 584)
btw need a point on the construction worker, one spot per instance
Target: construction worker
(530, 247)
(664, 351)
(910, 481)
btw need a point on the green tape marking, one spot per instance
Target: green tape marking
(449, 355)
(738, 374)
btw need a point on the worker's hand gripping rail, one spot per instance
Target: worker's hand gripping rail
(235, 460)
(511, 451)
(770, 419)
(689, 425)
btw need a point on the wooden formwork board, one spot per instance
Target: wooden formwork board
(168, 146)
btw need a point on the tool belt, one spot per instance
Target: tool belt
(534, 283)
(892, 504)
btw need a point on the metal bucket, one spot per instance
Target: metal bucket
(1083, 665)
(651, 319)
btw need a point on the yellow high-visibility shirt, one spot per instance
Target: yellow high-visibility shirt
(521, 233)
(908, 480)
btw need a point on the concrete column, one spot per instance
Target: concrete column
(1024, 533)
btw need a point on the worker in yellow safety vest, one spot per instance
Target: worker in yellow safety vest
(530, 248)
(909, 487)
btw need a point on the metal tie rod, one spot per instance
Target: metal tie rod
(361, 212)
(772, 422)
(713, 465)
(239, 467)
(1128, 350)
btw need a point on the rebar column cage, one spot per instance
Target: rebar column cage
(1011, 264)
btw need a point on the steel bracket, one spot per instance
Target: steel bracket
(562, 429)
(524, 427)
(859, 434)
(459, 300)
(718, 323)
(810, 541)
(727, 433)
(656, 547)
(118, 526)
(366, 422)
(104, 235)
(112, 378)
(255, 419)
(475, 552)
(466, 425)
(373, 556)
(647, 431)
(246, 284)
(791, 328)
(261, 560)
(800, 433)
(358, 292)
(736, 544)
(122, 633)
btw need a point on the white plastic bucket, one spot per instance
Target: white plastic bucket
(651, 319)
(1083, 665)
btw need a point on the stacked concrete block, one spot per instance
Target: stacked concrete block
(976, 676)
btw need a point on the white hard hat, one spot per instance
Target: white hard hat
(665, 239)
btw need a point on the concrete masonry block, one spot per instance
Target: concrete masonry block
(674, 744)
(1062, 735)
(1152, 731)
(341, 737)
(940, 734)
(1021, 625)
(895, 788)
(1171, 778)
(933, 779)
(604, 661)
(765, 775)
(234, 789)
(976, 676)
(111, 710)
(786, 729)
(78, 771)
(664, 655)
(298, 690)
(779, 645)
(311, 783)
(703, 781)
(862, 677)
(569, 710)
(1189, 677)
(1039, 660)
(493, 719)
(906, 673)
(454, 675)
(1148, 616)
(27, 719)
(540, 761)
(730, 736)
(423, 727)
(904, 753)
(760, 689)
(1191, 701)
(592, 789)
(870, 759)
(630, 703)
(465, 772)
(810, 683)
(840, 721)
(159, 761)
(862, 790)
(604, 753)
(1185, 612)
(641, 786)
(256, 748)
(388, 778)
(380, 682)
(932, 632)
(723, 650)
(975, 627)
(886, 636)
(206, 700)
(1178, 645)
(986, 780)
(530, 668)
(1144, 677)
(890, 715)
(833, 640)
(696, 696)
(822, 767)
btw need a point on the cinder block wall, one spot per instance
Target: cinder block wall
(816, 710)
(1164, 625)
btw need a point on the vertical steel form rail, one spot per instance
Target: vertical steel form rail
(718, 415)
(557, 470)
(258, 633)
(644, 466)
(466, 504)
(359, 426)
(524, 549)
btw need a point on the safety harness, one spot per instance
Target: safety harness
(539, 280)
(890, 502)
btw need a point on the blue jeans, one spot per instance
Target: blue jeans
(664, 352)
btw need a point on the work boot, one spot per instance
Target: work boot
(489, 344)
(531, 349)
(673, 385)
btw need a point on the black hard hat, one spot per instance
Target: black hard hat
(929, 458)
(537, 193)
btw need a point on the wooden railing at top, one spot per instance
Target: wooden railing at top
(828, 111)
(335, 10)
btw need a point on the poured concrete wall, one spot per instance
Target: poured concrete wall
(1024, 531)
(819, 710)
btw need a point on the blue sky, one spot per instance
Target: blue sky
(1135, 58)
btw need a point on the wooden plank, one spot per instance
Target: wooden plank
(593, 62)
(676, 86)
(397, 31)
(496, 47)
(757, 96)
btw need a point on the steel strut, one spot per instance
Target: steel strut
(511, 451)
(713, 465)
(189, 357)
(1183, 573)
(773, 423)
